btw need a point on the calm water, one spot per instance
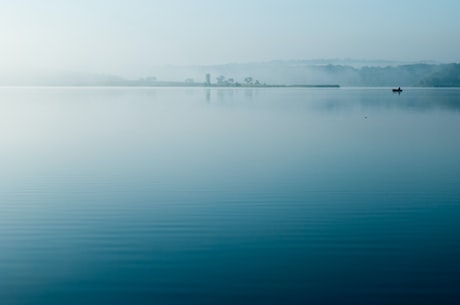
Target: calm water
(229, 196)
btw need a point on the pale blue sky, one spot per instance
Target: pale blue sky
(111, 36)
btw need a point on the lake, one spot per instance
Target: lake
(229, 196)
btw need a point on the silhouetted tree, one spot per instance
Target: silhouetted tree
(248, 80)
(220, 80)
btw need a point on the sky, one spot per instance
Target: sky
(117, 36)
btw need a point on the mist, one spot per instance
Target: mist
(138, 38)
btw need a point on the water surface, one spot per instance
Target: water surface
(229, 196)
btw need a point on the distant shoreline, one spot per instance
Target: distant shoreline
(288, 74)
(172, 85)
(201, 85)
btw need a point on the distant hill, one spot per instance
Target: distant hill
(308, 72)
(321, 72)
(443, 76)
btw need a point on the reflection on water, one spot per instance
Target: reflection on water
(412, 99)
(229, 196)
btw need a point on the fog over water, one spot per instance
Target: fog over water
(129, 38)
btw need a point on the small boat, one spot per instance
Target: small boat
(397, 90)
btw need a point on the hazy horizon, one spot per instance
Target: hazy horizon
(124, 37)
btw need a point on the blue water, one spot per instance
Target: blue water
(229, 196)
